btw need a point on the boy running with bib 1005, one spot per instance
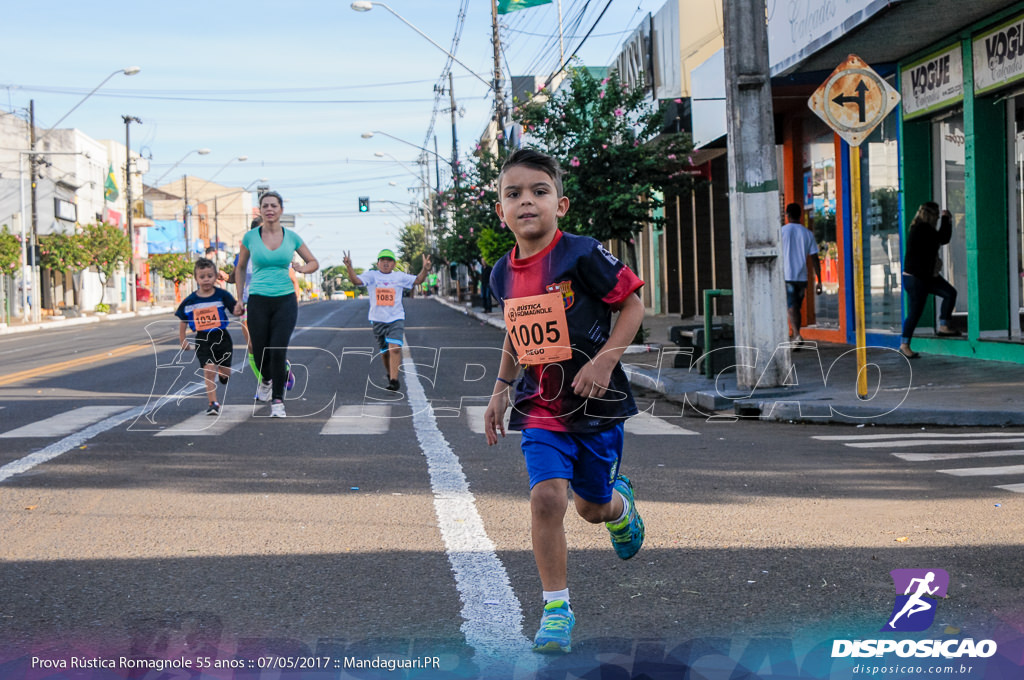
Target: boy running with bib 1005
(558, 292)
(206, 313)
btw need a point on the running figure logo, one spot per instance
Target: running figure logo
(912, 612)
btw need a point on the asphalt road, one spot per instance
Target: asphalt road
(381, 522)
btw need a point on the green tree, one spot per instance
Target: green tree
(611, 141)
(64, 254)
(176, 267)
(107, 247)
(412, 243)
(336, 279)
(10, 252)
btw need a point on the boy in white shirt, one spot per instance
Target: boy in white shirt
(387, 315)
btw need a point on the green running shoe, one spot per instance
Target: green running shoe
(627, 535)
(555, 634)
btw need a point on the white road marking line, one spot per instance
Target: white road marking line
(73, 441)
(985, 471)
(913, 435)
(647, 424)
(930, 442)
(65, 423)
(493, 617)
(925, 457)
(202, 425)
(1015, 488)
(359, 419)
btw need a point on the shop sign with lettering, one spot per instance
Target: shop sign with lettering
(933, 83)
(999, 56)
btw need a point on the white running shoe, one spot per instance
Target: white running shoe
(263, 391)
(277, 410)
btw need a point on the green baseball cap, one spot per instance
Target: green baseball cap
(386, 254)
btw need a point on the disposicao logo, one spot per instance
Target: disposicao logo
(914, 611)
(916, 590)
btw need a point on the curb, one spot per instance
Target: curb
(6, 329)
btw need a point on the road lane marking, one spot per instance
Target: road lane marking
(1015, 488)
(492, 616)
(202, 425)
(64, 423)
(985, 471)
(645, 423)
(28, 374)
(359, 419)
(927, 457)
(931, 442)
(911, 435)
(73, 441)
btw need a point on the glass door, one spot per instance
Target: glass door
(820, 179)
(949, 145)
(1015, 233)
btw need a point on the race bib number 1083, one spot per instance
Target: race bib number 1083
(538, 329)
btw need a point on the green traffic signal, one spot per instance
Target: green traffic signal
(364, 204)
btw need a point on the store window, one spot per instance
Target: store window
(949, 147)
(1016, 206)
(881, 227)
(820, 178)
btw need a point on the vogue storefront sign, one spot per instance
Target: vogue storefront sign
(932, 83)
(999, 56)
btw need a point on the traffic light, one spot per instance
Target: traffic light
(364, 204)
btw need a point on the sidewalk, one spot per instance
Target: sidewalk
(931, 390)
(16, 325)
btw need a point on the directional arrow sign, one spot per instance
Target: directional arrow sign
(853, 100)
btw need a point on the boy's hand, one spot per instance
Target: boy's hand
(185, 345)
(592, 380)
(239, 309)
(426, 261)
(494, 416)
(346, 259)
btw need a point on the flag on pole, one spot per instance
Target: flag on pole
(110, 192)
(506, 6)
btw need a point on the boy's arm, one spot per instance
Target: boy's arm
(182, 329)
(352, 276)
(240, 272)
(592, 380)
(422, 276)
(494, 416)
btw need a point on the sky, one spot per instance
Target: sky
(293, 86)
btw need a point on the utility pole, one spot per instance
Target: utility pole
(184, 218)
(753, 200)
(499, 99)
(33, 250)
(455, 139)
(128, 120)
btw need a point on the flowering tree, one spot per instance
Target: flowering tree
(107, 247)
(10, 252)
(64, 253)
(618, 160)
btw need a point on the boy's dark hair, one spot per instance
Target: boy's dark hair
(531, 158)
(256, 222)
(272, 194)
(203, 263)
(794, 211)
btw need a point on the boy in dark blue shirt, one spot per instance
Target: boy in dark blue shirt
(558, 292)
(206, 312)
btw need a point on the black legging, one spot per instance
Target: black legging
(271, 322)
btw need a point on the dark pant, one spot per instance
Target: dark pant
(271, 322)
(918, 290)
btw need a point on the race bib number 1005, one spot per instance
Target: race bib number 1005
(538, 329)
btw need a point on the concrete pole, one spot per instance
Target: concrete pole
(759, 290)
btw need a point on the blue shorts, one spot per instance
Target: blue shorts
(589, 461)
(795, 292)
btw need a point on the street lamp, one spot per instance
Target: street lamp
(187, 216)
(128, 120)
(33, 142)
(201, 152)
(367, 5)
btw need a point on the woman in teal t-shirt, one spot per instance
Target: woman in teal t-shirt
(273, 308)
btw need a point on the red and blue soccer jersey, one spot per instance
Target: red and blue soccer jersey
(593, 283)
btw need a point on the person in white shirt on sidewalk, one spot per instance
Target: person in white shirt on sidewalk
(798, 245)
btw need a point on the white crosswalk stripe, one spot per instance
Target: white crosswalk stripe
(359, 419)
(202, 425)
(956, 440)
(65, 423)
